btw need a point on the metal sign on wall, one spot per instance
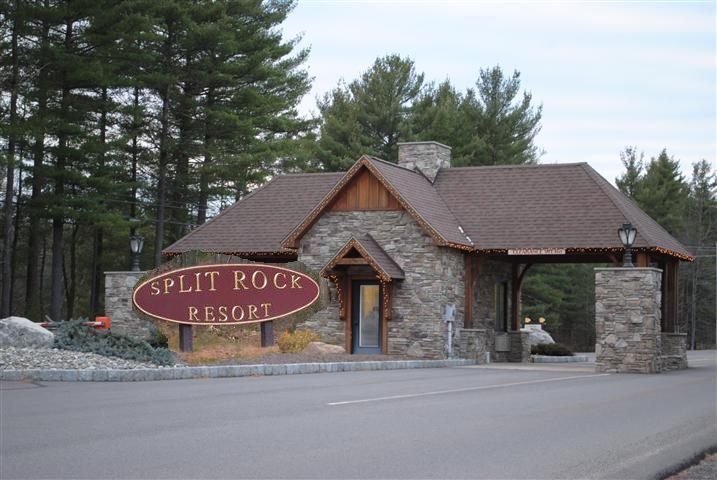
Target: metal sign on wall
(225, 294)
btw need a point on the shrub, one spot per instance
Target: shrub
(73, 335)
(159, 339)
(295, 342)
(551, 349)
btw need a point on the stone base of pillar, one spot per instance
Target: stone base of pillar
(628, 323)
(118, 305)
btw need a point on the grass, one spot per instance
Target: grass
(212, 344)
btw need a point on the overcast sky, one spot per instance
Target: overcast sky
(608, 73)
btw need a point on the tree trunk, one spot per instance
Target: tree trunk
(36, 248)
(71, 282)
(7, 257)
(163, 156)
(203, 175)
(96, 271)
(162, 180)
(58, 219)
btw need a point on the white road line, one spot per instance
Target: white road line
(460, 390)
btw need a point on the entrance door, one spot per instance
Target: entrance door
(366, 317)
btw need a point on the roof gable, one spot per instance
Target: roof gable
(370, 251)
(412, 191)
(364, 192)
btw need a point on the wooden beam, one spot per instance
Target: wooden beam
(468, 302)
(670, 296)
(514, 297)
(351, 261)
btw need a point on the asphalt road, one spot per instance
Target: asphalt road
(472, 422)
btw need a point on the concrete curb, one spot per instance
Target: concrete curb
(554, 359)
(186, 373)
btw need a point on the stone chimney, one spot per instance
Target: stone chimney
(426, 157)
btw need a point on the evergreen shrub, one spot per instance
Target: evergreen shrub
(551, 349)
(295, 342)
(73, 335)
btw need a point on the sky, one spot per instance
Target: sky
(609, 74)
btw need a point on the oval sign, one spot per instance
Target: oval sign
(225, 294)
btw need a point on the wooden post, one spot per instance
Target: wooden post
(670, 295)
(468, 303)
(185, 337)
(267, 333)
(514, 298)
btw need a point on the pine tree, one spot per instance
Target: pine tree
(662, 193)
(368, 115)
(630, 181)
(504, 125)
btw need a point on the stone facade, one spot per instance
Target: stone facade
(674, 352)
(489, 274)
(433, 279)
(426, 157)
(627, 323)
(472, 343)
(118, 305)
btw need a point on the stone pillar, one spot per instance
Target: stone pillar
(426, 157)
(627, 320)
(472, 343)
(519, 347)
(118, 305)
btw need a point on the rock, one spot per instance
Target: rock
(537, 335)
(321, 348)
(21, 332)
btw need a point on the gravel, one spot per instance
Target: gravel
(13, 358)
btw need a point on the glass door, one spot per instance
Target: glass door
(366, 317)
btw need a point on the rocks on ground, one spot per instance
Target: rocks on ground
(21, 332)
(321, 348)
(14, 358)
(537, 335)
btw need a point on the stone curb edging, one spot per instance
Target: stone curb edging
(554, 359)
(223, 371)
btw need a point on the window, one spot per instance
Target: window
(501, 307)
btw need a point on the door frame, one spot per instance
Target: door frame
(349, 312)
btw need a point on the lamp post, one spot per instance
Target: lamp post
(136, 242)
(627, 236)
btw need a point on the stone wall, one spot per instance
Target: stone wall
(472, 343)
(627, 320)
(434, 278)
(486, 276)
(674, 351)
(118, 304)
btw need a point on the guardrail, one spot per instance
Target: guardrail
(100, 323)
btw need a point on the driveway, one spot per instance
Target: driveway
(498, 421)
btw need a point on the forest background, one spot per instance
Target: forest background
(129, 117)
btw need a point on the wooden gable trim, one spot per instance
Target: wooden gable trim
(292, 240)
(366, 259)
(364, 192)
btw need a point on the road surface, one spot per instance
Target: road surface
(533, 421)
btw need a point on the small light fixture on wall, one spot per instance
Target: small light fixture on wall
(627, 236)
(136, 242)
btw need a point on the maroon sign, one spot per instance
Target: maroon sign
(225, 294)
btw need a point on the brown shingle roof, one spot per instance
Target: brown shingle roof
(412, 190)
(260, 221)
(545, 206)
(502, 207)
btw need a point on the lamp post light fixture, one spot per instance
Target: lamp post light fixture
(627, 236)
(136, 242)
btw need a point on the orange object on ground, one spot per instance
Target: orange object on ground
(105, 323)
